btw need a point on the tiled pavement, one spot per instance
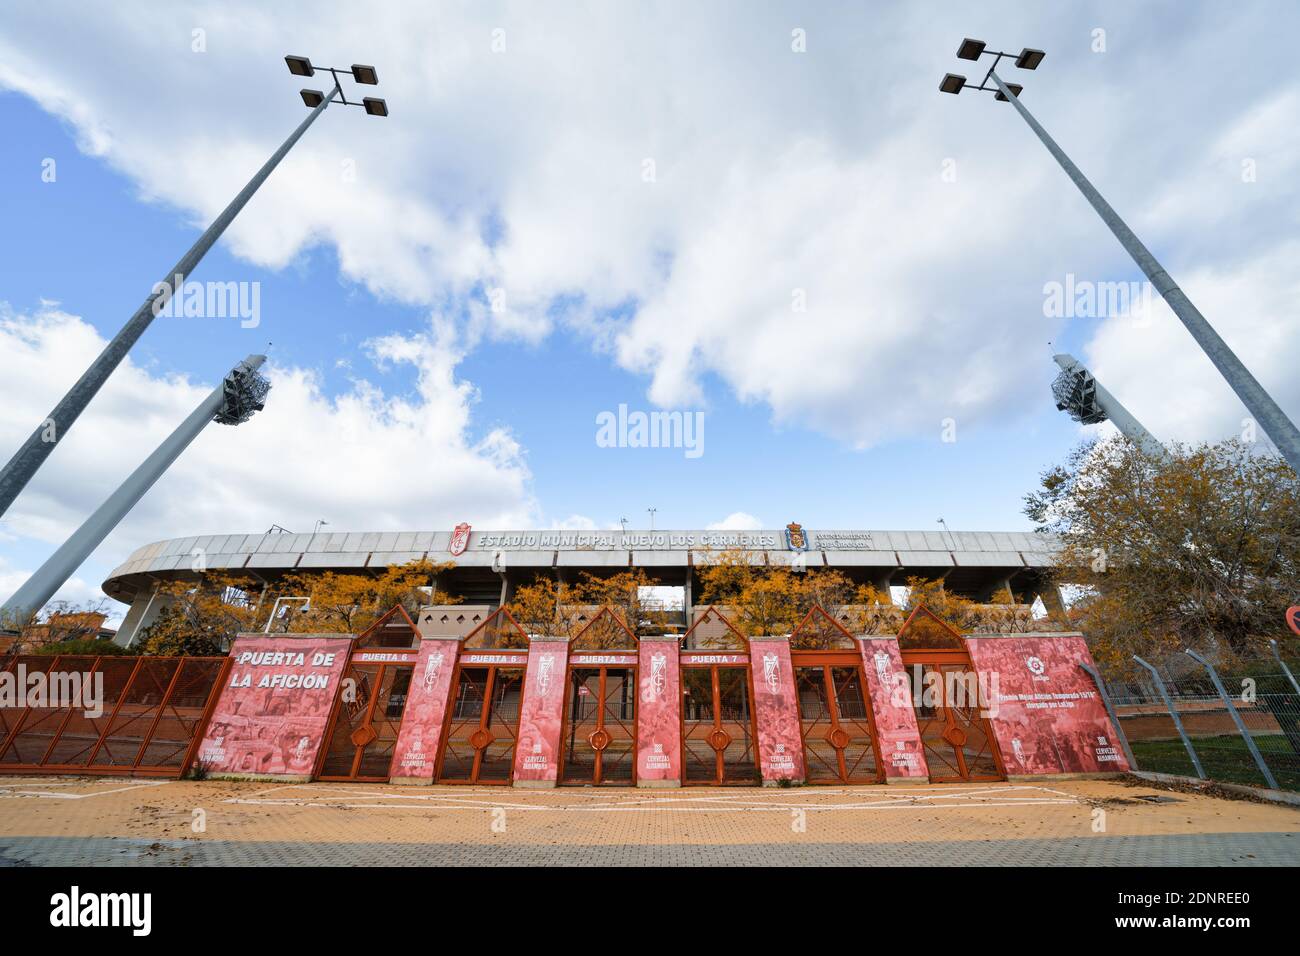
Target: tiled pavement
(1216, 849)
(81, 822)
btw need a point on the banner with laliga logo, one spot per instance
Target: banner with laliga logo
(416, 753)
(1048, 717)
(273, 712)
(542, 712)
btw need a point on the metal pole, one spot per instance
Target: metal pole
(1178, 722)
(23, 465)
(1236, 719)
(51, 575)
(1116, 412)
(1258, 402)
(1110, 709)
(1281, 663)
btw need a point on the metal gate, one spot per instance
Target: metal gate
(483, 725)
(835, 720)
(146, 722)
(718, 725)
(959, 746)
(600, 726)
(367, 719)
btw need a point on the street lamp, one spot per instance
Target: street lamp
(25, 462)
(1258, 402)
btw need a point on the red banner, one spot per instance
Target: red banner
(416, 752)
(776, 711)
(273, 713)
(659, 715)
(1046, 713)
(541, 713)
(892, 708)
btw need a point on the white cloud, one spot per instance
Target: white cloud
(361, 460)
(737, 521)
(776, 175)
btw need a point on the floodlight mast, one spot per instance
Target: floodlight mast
(234, 401)
(32, 454)
(1086, 400)
(1258, 402)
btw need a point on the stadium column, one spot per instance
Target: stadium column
(659, 714)
(776, 711)
(541, 714)
(890, 695)
(415, 755)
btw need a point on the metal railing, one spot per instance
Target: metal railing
(1227, 723)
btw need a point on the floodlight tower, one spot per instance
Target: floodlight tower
(1078, 393)
(1258, 402)
(23, 465)
(240, 394)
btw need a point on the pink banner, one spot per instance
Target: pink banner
(416, 752)
(1045, 711)
(776, 710)
(659, 715)
(893, 711)
(273, 713)
(541, 713)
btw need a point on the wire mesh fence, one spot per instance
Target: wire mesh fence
(1192, 723)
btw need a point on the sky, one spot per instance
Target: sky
(762, 215)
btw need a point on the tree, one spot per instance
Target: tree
(774, 600)
(60, 623)
(1201, 550)
(554, 608)
(203, 617)
(349, 603)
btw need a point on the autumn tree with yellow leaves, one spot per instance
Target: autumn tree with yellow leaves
(203, 617)
(561, 609)
(1201, 550)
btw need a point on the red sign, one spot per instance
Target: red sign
(459, 539)
(1293, 618)
(272, 715)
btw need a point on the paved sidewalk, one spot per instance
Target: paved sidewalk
(85, 822)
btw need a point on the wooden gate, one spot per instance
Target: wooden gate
(366, 722)
(599, 734)
(835, 718)
(835, 721)
(147, 722)
(483, 726)
(948, 698)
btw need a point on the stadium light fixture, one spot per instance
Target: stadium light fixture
(375, 106)
(300, 66)
(365, 74)
(1029, 59)
(952, 83)
(970, 49)
(311, 97)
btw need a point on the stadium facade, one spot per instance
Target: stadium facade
(462, 694)
(489, 564)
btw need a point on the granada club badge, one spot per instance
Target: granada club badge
(459, 539)
(1293, 618)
